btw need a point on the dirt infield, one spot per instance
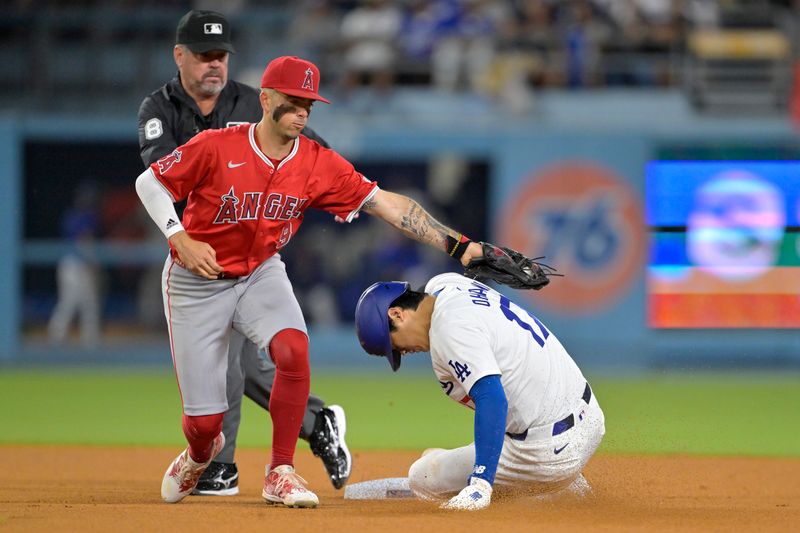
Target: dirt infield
(48, 488)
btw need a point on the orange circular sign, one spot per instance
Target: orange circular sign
(588, 223)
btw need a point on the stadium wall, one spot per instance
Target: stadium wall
(599, 143)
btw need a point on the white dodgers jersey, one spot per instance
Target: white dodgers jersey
(476, 332)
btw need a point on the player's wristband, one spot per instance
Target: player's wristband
(457, 247)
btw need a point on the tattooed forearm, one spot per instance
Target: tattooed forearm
(420, 225)
(408, 216)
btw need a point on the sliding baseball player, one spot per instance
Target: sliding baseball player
(537, 420)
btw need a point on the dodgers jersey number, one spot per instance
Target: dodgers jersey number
(512, 312)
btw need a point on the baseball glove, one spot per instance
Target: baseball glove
(509, 267)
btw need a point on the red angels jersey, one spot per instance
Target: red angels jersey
(244, 206)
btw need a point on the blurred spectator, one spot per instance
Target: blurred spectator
(646, 33)
(424, 23)
(524, 56)
(313, 32)
(701, 13)
(535, 36)
(462, 57)
(77, 272)
(368, 34)
(582, 37)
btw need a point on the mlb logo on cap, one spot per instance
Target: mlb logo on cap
(212, 28)
(293, 76)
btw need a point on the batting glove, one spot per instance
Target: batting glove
(474, 497)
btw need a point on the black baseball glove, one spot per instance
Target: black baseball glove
(509, 267)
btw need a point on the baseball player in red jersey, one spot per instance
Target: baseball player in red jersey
(247, 188)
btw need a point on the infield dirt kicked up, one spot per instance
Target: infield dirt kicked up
(88, 489)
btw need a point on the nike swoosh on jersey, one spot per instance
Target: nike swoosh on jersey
(231, 164)
(559, 450)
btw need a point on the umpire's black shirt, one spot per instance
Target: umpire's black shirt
(169, 117)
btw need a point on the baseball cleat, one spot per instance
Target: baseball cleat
(283, 485)
(474, 497)
(183, 473)
(219, 479)
(327, 443)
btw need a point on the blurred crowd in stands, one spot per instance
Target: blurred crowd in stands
(493, 47)
(93, 51)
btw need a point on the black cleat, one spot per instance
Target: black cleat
(327, 443)
(219, 479)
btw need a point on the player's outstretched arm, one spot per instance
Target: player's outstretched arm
(408, 216)
(491, 410)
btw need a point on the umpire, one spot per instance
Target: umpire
(198, 98)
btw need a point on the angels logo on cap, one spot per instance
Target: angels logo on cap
(293, 76)
(308, 82)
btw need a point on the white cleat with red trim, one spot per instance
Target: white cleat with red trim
(283, 485)
(183, 474)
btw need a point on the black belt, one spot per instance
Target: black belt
(562, 425)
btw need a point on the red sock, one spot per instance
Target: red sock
(287, 404)
(200, 431)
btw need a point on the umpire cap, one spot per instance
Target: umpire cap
(202, 31)
(372, 319)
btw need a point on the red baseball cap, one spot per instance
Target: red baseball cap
(293, 76)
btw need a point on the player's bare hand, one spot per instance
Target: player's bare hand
(474, 497)
(473, 251)
(197, 257)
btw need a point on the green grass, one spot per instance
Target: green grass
(740, 414)
(696, 414)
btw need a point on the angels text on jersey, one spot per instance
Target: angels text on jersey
(276, 206)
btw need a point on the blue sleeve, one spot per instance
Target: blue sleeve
(491, 409)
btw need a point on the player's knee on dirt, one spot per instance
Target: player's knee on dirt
(200, 432)
(289, 351)
(422, 479)
(440, 474)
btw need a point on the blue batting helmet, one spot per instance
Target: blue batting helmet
(372, 320)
